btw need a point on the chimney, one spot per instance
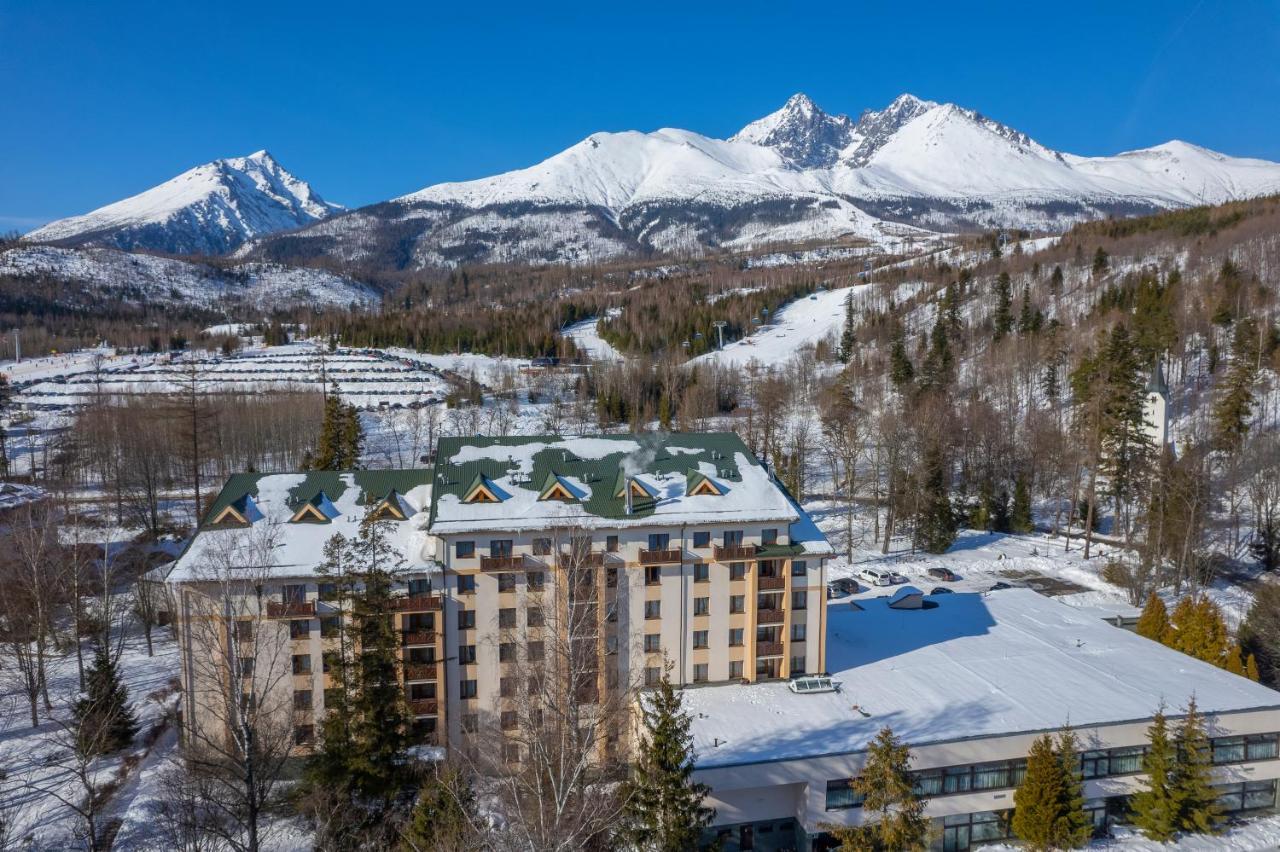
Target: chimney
(626, 487)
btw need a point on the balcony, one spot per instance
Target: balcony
(420, 671)
(770, 616)
(772, 584)
(418, 637)
(768, 649)
(424, 706)
(506, 563)
(415, 603)
(659, 557)
(734, 552)
(291, 609)
(594, 559)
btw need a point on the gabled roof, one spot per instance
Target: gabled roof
(556, 487)
(1156, 382)
(696, 482)
(243, 510)
(374, 486)
(483, 490)
(392, 507)
(638, 487)
(319, 509)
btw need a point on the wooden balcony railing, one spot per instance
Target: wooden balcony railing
(424, 706)
(415, 603)
(659, 557)
(594, 559)
(291, 609)
(418, 637)
(772, 584)
(420, 671)
(770, 616)
(734, 552)
(504, 563)
(768, 649)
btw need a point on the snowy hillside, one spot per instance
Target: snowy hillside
(145, 279)
(210, 209)
(797, 174)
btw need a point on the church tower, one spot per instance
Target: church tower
(1155, 407)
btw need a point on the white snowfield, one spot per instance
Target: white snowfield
(801, 323)
(587, 337)
(216, 205)
(996, 663)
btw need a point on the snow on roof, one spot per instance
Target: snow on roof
(594, 468)
(976, 665)
(298, 548)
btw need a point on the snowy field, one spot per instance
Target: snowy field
(588, 339)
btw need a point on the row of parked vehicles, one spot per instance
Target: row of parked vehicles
(881, 577)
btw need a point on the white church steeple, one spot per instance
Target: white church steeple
(1155, 407)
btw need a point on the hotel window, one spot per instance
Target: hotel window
(733, 538)
(960, 831)
(652, 575)
(652, 643)
(536, 651)
(509, 720)
(737, 603)
(799, 568)
(330, 625)
(507, 652)
(841, 796)
(302, 699)
(797, 632)
(464, 549)
(506, 582)
(1249, 796)
(466, 654)
(246, 666)
(422, 691)
(611, 543)
(422, 656)
(301, 664)
(466, 619)
(420, 586)
(470, 722)
(294, 593)
(700, 639)
(506, 687)
(500, 547)
(797, 665)
(653, 609)
(534, 617)
(611, 578)
(735, 669)
(701, 606)
(699, 672)
(799, 600)
(542, 547)
(303, 734)
(768, 537)
(1261, 747)
(701, 539)
(1240, 749)
(659, 541)
(701, 572)
(300, 628)
(735, 636)
(328, 591)
(652, 676)
(466, 584)
(467, 689)
(507, 617)
(737, 570)
(244, 631)
(537, 580)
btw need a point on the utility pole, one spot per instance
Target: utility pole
(720, 324)
(17, 347)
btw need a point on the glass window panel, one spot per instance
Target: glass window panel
(991, 776)
(1228, 749)
(1126, 760)
(1261, 747)
(1260, 795)
(929, 783)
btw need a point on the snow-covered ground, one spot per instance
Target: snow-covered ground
(588, 339)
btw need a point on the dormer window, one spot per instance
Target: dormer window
(393, 507)
(318, 510)
(556, 487)
(638, 489)
(482, 490)
(241, 512)
(698, 484)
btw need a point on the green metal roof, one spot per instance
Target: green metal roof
(374, 486)
(604, 475)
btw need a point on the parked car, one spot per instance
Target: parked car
(896, 578)
(941, 590)
(1000, 585)
(944, 574)
(875, 577)
(841, 587)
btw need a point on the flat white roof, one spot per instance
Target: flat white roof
(975, 665)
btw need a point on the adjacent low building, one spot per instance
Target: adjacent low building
(968, 681)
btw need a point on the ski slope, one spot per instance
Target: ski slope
(801, 323)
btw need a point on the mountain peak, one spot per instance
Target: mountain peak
(801, 132)
(209, 209)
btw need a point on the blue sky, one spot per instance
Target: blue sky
(368, 101)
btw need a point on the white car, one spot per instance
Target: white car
(875, 577)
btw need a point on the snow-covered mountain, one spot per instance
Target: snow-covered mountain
(210, 209)
(83, 277)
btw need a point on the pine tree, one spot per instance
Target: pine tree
(1154, 621)
(1003, 319)
(901, 371)
(1020, 518)
(895, 813)
(935, 373)
(1026, 315)
(104, 720)
(1156, 807)
(1038, 799)
(341, 436)
(848, 338)
(1199, 811)
(1235, 403)
(441, 817)
(664, 810)
(1198, 630)
(936, 522)
(1074, 827)
(1100, 261)
(1055, 281)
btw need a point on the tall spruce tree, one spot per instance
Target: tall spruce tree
(1074, 827)
(1048, 804)
(1153, 623)
(1234, 406)
(848, 337)
(104, 720)
(664, 810)
(894, 812)
(1156, 807)
(901, 371)
(441, 819)
(1020, 518)
(1055, 281)
(936, 521)
(1199, 811)
(1003, 319)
